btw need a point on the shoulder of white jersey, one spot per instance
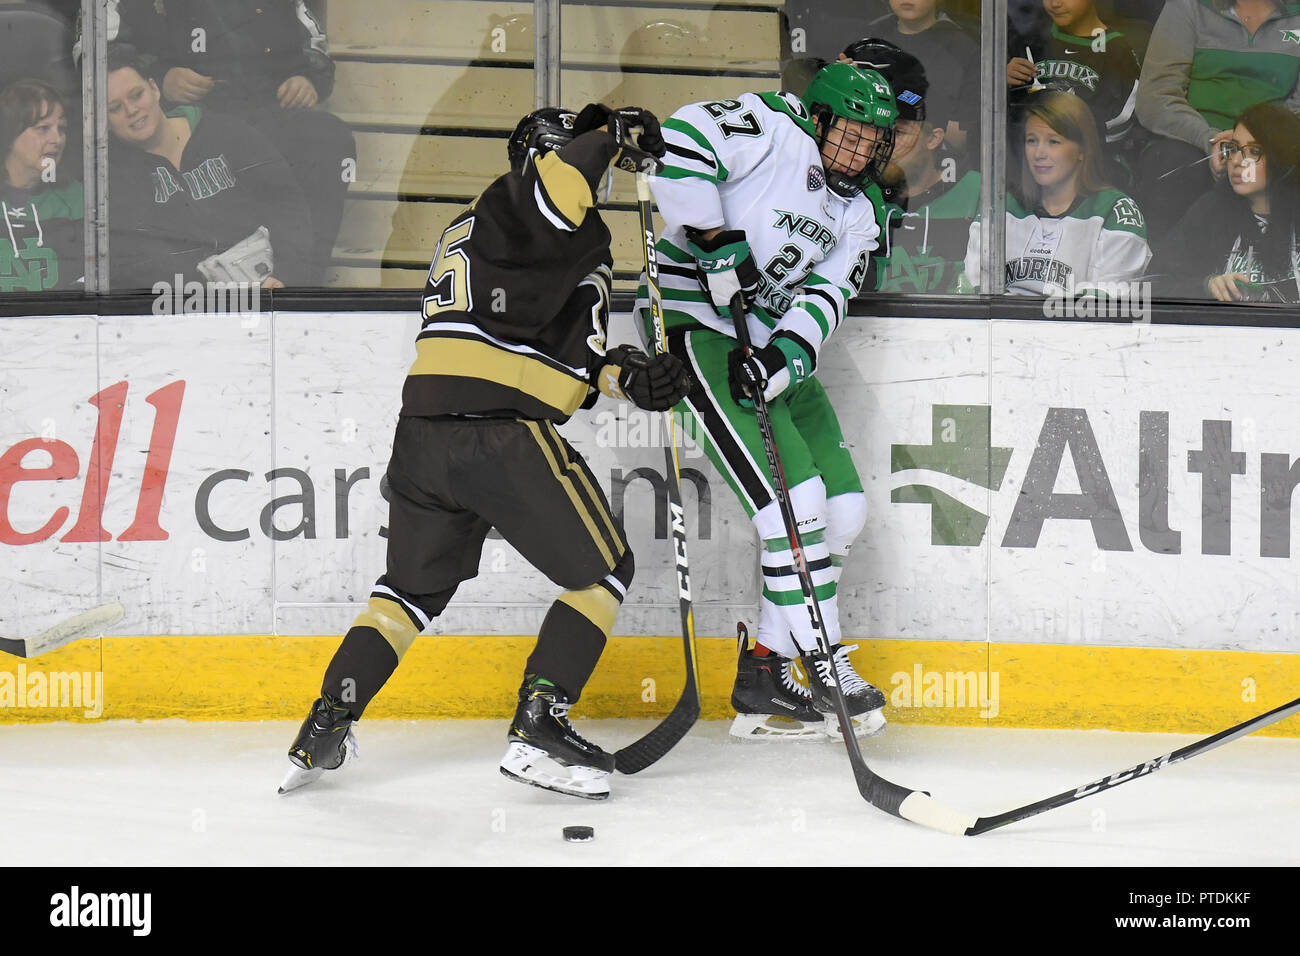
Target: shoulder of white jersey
(786, 105)
(716, 139)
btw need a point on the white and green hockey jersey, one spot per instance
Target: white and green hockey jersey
(752, 163)
(1100, 239)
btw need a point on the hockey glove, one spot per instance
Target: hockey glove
(653, 382)
(636, 154)
(639, 154)
(724, 266)
(773, 368)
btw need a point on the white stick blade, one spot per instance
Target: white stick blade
(929, 812)
(90, 623)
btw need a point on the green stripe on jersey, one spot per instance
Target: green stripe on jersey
(820, 316)
(680, 256)
(686, 129)
(779, 104)
(676, 172)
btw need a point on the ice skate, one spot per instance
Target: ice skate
(325, 742)
(865, 703)
(769, 698)
(545, 751)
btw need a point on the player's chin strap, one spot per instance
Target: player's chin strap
(841, 184)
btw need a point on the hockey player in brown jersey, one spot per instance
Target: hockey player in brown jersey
(513, 342)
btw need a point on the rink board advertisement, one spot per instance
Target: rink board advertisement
(1030, 483)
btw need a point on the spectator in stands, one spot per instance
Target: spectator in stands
(1208, 61)
(1237, 243)
(1080, 54)
(951, 58)
(924, 212)
(1067, 230)
(190, 184)
(267, 62)
(41, 242)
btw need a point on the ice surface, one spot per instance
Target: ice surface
(429, 793)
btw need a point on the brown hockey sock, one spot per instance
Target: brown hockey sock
(572, 638)
(360, 667)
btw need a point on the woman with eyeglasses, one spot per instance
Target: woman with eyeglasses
(1208, 60)
(1237, 243)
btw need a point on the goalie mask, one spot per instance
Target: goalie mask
(856, 112)
(542, 130)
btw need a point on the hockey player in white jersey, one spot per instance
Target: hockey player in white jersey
(763, 194)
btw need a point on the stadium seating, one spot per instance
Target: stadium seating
(432, 89)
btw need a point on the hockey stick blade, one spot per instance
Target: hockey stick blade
(919, 807)
(641, 753)
(90, 623)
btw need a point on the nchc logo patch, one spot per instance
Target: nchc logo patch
(816, 178)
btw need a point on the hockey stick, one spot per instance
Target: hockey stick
(90, 623)
(984, 824)
(914, 805)
(641, 753)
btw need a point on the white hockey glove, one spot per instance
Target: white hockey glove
(249, 260)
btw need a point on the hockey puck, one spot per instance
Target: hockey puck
(579, 834)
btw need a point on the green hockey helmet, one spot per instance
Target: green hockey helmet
(859, 95)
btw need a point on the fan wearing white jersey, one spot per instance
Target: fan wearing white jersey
(763, 195)
(1068, 231)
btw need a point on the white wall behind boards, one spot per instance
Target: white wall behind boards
(1027, 481)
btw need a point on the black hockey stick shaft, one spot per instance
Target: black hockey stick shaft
(641, 753)
(782, 490)
(984, 824)
(914, 805)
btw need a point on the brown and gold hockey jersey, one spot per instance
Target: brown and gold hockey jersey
(516, 305)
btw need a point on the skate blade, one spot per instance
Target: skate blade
(774, 727)
(536, 768)
(870, 724)
(299, 777)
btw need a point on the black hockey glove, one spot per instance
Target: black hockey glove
(724, 266)
(773, 368)
(653, 382)
(649, 140)
(637, 154)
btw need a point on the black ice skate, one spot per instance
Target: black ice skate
(545, 751)
(769, 698)
(325, 742)
(865, 703)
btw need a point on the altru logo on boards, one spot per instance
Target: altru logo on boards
(962, 455)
